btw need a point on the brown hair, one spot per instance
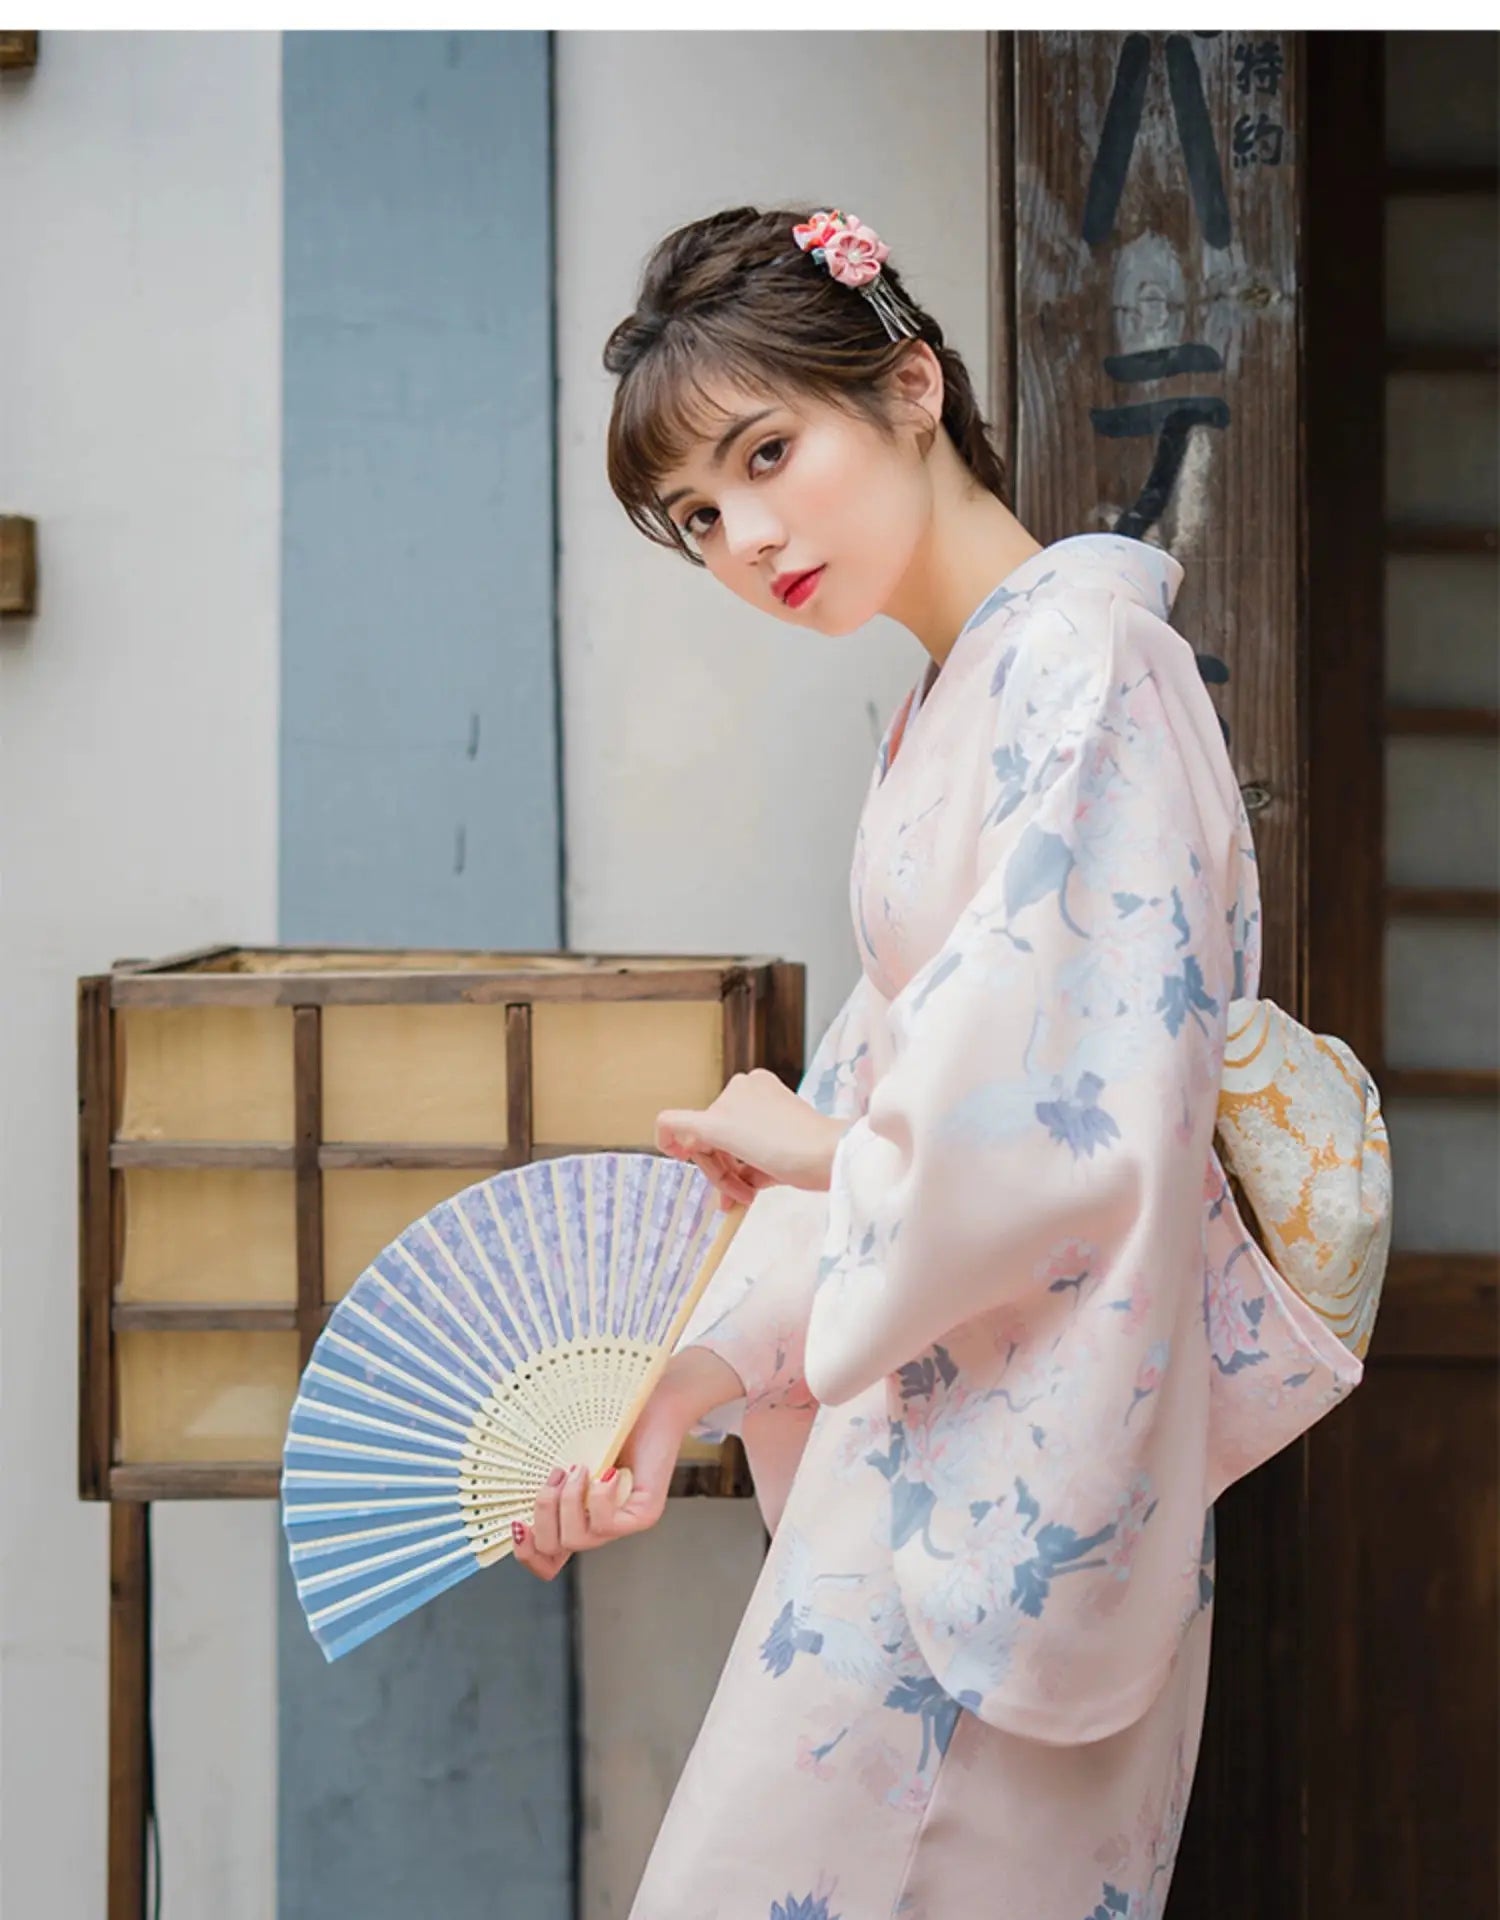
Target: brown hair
(733, 296)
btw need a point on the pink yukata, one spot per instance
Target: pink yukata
(998, 1375)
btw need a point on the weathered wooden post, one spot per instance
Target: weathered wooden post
(1148, 303)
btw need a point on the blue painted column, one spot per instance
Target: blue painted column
(429, 1776)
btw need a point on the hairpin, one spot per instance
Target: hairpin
(854, 254)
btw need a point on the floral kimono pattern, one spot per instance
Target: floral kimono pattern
(998, 1375)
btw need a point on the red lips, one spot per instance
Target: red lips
(792, 589)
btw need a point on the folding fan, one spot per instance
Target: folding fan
(519, 1326)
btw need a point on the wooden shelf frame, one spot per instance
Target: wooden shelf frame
(1439, 1083)
(1442, 903)
(477, 987)
(335, 1156)
(1438, 1306)
(1423, 540)
(1441, 356)
(728, 1477)
(762, 1010)
(1443, 723)
(1415, 178)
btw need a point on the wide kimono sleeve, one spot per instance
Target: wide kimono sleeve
(754, 1311)
(1022, 1224)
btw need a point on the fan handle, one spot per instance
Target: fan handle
(728, 1228)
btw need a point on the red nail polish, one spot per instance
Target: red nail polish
(556, 1477)
(607, 1476)
(517, 1532)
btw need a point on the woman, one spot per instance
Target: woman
(999, 1332)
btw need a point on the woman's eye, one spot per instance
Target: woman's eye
(702, 520)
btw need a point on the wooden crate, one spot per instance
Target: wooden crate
(255, 1124)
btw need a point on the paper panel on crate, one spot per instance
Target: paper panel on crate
(194, 1397)
(603, 1070)
(366, 1208)
(205, 1073)
(413, 1073)
(209, 1233)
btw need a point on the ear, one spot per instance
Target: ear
(917, 381)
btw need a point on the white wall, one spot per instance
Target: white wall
(715, 761)
(139, 421)
(139, 425)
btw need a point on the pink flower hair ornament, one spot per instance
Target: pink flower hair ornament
(854, 254)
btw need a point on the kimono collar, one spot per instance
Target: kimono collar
(1131, 568)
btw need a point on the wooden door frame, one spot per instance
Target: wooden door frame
(1426, 1401)
(1343, 701)
(1265, 1803)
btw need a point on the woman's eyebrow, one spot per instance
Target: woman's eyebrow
(721, 447)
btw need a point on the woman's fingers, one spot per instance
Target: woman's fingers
(545, 1528)
(604, 1505)
(649, 1456)
(536, 1546)
(546, 1566)
(712, 1162)
(730, 1176)
(573, 1512)
(676, 1132)
(737, 1181)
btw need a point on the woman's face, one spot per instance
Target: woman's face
(805, 511)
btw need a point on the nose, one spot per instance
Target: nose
(749, 530)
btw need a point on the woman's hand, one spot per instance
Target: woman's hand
(573, 1515)
(757, 1133)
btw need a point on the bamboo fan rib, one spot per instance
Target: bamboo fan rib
(516, 1327)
